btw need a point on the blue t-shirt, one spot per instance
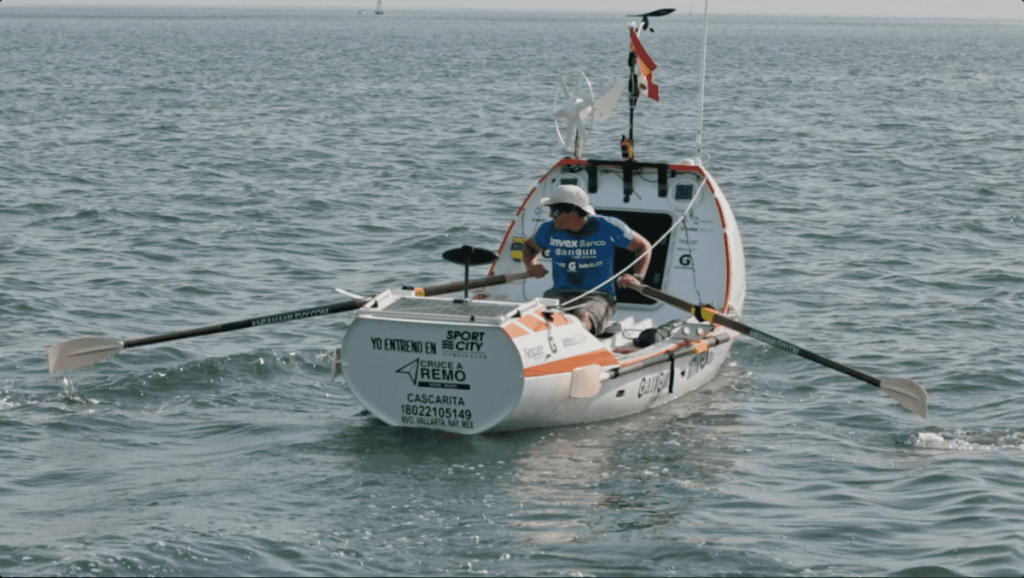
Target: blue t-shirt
(584, 260)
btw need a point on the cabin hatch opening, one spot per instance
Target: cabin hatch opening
(652, 226)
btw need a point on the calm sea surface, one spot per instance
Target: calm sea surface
(163, 169)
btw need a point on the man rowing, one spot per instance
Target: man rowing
(582, 246)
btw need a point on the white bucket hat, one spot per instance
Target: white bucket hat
(572, 195)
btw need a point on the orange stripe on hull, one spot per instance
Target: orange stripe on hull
(514, 331)
(534, 323)
(529, 324)
(601, 357)
(636, 360)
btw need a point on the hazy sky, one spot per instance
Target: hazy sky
(986, 9)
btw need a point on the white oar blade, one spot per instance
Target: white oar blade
(336, 371)
(907, 393)
(586, 381)
(81, 352)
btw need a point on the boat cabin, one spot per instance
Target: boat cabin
(677, 207)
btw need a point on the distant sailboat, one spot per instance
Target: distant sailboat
(380, 7)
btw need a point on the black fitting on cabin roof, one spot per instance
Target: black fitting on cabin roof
(628, 167)
(619, 163)
(627, 180)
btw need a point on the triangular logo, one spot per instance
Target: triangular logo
(411, 369)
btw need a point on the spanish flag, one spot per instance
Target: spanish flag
(647, 66)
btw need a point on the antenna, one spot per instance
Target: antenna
(703, 66)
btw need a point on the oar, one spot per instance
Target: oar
(85, 351)
(906, 392)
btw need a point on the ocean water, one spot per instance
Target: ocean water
(162, 169)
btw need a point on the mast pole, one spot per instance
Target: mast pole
(634, 94)
(634, 91)
(703, 66)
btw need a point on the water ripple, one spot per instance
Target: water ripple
(874, 169)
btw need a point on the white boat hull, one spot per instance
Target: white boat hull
(508, 359)
(546, 401)
(476, 366)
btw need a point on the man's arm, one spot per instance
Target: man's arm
(531, 250)
(639, 246)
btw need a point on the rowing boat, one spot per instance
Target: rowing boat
(506, 358)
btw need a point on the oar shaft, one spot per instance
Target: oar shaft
(785, 345)
(906, 392)
(712, 316)
(85, 351)
(471, 284)
(315, 311)
(339, 307)
(254, 322)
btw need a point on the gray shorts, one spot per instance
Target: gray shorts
(598, 305)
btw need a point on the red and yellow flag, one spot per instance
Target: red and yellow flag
(647, 66)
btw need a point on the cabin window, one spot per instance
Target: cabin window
(652, 226)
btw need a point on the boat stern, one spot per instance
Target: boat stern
(438, 363)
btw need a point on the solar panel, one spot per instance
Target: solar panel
(450, 307)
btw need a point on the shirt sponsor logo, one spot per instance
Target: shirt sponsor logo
(577, 243)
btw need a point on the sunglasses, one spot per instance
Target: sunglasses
(559, 208)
